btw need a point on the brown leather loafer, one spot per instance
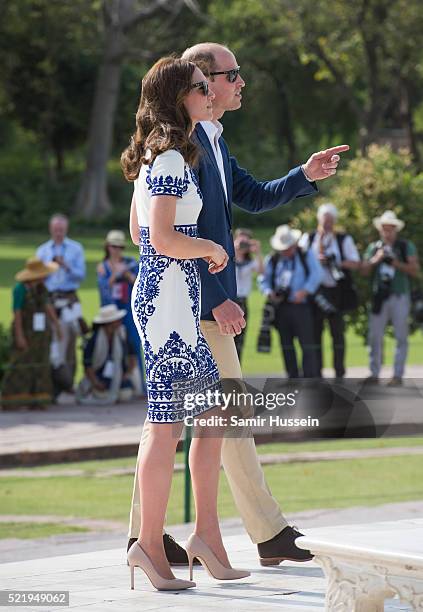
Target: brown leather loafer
(176, 555)
(282, 548)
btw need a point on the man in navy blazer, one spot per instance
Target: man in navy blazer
(215, 219)
(223, 183)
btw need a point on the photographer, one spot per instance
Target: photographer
(338, 255)
(248, 259)
(290, 277)
(392, 262)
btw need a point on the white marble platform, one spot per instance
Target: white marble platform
(99, 582)
(366, 564)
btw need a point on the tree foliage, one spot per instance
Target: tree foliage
(50, 52)
(317, 73)
(328, 68)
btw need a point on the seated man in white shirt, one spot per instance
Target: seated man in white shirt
(338, 255)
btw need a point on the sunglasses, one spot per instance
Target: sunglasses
(231, 75)
(203, 86)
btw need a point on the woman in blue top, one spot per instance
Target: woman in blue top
(116, 275)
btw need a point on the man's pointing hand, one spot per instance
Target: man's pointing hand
(323, 164)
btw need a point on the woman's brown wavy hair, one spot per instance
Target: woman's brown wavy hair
(162, 121)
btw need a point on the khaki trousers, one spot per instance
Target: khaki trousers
(260, 512)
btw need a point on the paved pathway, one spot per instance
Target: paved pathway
(98, 578)
(111, 534)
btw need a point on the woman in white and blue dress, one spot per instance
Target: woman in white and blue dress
(166, 308)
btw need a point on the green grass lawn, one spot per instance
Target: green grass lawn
(297, 487)
(29, 531)
(16, 248)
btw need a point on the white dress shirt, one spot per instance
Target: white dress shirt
(72, 252)
(214, 131)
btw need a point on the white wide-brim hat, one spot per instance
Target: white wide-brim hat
(284, 238)
(115, 238)
(388, 218)
(108, 314)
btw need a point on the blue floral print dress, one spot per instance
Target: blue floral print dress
(166, 298)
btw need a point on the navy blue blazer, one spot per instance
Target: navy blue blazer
(215, 219)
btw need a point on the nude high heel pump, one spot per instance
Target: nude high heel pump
(195, 547)
(138, 558)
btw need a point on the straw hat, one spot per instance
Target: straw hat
(388, 218)
(35, 269)
(115, 238)
(108, 314)
(284, 238)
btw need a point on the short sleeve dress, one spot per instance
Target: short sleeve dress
(166, 298)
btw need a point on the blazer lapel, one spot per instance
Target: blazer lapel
(205, 142)
(228, 173)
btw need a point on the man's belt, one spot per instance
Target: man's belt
(61, 299)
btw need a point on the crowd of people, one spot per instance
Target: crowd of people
(307, 281)
(48, 320)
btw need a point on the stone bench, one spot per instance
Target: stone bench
(366, 564)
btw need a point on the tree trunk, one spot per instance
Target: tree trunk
(59, 155)
(120, 17)
(285, 124)
(92, 200)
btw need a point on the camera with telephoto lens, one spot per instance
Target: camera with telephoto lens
(388, 254)
(323, 303)
(417, 306)
(282, 295)
(333, 267)
(382, 293)
(384, 281)
(244, 245)
(264, 338)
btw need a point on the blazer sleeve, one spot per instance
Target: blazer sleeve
(258, 196)
(213, 292)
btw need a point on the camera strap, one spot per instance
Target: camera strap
(274, 262)
(339, 237)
